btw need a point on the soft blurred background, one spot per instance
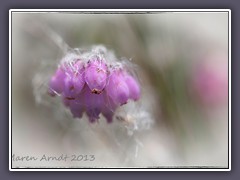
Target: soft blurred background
(182, 64)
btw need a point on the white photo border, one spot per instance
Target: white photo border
(120, 11)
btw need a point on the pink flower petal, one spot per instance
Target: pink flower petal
(96, 76)
(117, 88)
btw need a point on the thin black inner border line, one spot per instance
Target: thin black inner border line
(122, 12)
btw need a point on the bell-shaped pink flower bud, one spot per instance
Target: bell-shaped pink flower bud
(74, 81)
(56, 84)
(133, 86)
(96, 75)
(117, 88)
(77, 106)
(93, 104)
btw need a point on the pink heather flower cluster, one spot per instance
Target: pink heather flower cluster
(90, 82)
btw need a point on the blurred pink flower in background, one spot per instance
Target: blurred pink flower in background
(209, 80)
